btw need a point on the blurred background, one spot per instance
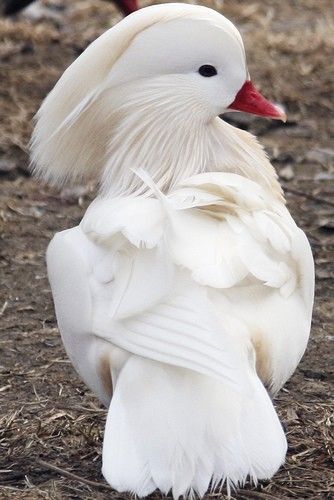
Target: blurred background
(48, 418)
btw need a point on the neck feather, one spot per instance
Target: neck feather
(173, 143)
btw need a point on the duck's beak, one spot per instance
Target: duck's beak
(249, 100)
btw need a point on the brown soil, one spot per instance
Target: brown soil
(48, 417)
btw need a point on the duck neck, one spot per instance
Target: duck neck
(171, 149)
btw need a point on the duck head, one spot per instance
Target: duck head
(147, 94)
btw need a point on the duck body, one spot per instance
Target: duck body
(185, 294)
(187, 305)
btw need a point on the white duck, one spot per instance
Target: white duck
(187, 288)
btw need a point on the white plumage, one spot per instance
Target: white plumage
(187, 288)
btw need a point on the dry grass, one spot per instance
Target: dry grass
(49, 418)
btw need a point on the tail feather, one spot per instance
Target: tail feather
(179, 431)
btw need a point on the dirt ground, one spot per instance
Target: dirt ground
(48, 418)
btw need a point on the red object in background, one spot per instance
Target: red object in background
(127, 6)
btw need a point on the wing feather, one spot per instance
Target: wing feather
(182, 330)
(161, 257)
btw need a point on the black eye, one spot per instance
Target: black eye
(207, 70)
